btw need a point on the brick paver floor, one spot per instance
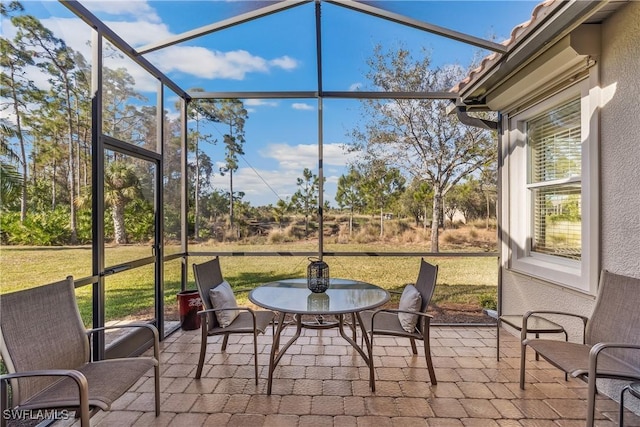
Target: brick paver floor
(322, 381)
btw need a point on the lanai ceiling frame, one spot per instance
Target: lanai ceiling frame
(137, 55)
(359, 6)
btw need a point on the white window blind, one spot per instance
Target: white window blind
(554, 140)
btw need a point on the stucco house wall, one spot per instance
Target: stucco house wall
(620, 143)
(619, 185)
(619, 176)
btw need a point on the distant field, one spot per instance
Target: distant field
(130, 294)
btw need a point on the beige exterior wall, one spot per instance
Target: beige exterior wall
(620, 143)
(619, 176)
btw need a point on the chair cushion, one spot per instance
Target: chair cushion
(411, 300)
(222, 297)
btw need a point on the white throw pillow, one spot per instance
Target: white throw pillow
(411, 300)
(222, 297)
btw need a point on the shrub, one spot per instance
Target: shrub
(417, 235)
(488, 300)
(276, 236)
(367, 234)
(396, 228)
(473, 233)
(39, 229)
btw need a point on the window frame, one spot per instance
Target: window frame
(580, 274)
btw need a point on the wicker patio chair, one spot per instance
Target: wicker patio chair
(611, 339)
(46, 350)
(208, 276)
(387, 321)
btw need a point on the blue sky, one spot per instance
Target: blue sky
(277, 53)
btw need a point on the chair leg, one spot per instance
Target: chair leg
(591, 401)
(4, 402)
(225, 340)
(427, 355)
(353, 326)
(203, 347)
(523, 356)
(498, 339)
(621, 415)
(156, 374)
(255, 352)
(413, 346)
(566, 375)
(372, 373)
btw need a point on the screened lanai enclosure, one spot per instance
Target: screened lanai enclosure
(180, 144)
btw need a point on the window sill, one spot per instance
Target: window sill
(562, 272)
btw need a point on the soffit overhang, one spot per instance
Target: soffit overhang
(559, 34)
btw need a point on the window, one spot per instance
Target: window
(550, 171)
(554, 141)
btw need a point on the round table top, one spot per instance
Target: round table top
(343, 296)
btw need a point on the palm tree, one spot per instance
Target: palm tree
(121, 185)
(10, 177)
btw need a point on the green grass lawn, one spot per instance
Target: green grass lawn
(130, 294)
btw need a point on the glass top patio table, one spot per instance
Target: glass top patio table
(293, 297)
(343, 296)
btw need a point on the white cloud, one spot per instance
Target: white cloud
(355, 87)
(255, 189)
(298, 157)
(302, 106)
(210, 64)
(259, 103)
(285, 62)
(202, 62)
(282, 182)
(286, 163)
(336, 155)
(138, 9)
(147, 28)
(140, 32)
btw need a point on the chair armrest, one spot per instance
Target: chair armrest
(235, 291)
(397, 310)
(525, 318)
(213, 310)
(595, 352)
(202, 313)
(425, 316)
(152, 328)
(77, 376)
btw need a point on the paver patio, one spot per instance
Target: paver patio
(322, 381)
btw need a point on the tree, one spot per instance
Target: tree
(306, 198)
(415, 200)
(121, 186)
(280, 210)
(58, 61)
(232, 113)
(18, 90)
(382, 186)
(349, 194)
(418, 135)
(11, 181)
(200, 110)
(489, 187)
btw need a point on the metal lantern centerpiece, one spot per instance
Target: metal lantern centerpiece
(317, 276)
